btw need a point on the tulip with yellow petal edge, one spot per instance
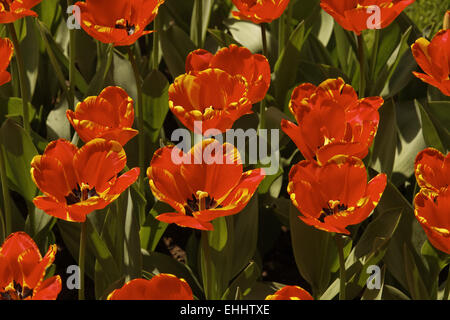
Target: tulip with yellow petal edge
(259, 11)
(432, 170)
(6, 53)
(76, 182)
(212, 96)
(332, 120)
(433, 213)
(110, 116)
(22, 270)
(160, 287)
(434, 59)
(120, 22)
(206, 183)
(359, 15)
(335, 195)
(12, 10)
(235, 60)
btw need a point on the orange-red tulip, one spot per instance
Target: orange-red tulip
(212, 96)
(120, 22)
(76, 182)
(206, 183)
(12, 10)
(110, 116)
(433, 214)
(160, 287)
(332, 120)
(259, 11)
(434, 59)
(22, 270)
(6, 52)
(335, 195)
(290, 293)
(432, 170)
(358, 15)
(236, 61)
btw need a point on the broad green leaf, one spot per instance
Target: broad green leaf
(19, 150)
(223, 39)
(206, 7)
(175, 46)
(243, 282)
(155, 101)
(314, 252)
(248, 34)
(429, 131)
(287, 64)
(414, 277)
(12, 108)
(385, 143)
(152, 230)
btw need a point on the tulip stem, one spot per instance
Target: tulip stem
(375, 47)
(199, 23)
(6, 196)
(81, 259)
(262, 108)
(447, 286)
(22, 77)
(156, 43)
(140, 114)
(72, 48)
(206, 267)
(342, 277)
(362, 72)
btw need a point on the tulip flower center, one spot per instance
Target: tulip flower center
(333, 207)
(15, 292)
(124, 24)
(81, 193)
(6, 4)
(200, 201)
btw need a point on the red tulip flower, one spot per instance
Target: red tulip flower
(236, 61)
(212, 96)
(12, 10)
(206, 183)
(434, 59)
(6, 53)
(110, 116)
(359, 15)
(120, 22)
(160, 287)
(432, 170)
(259, 11)
(290, 293)
(335, 195)
(76, 182)
(433, 215)
(22, 270)
(332, 120)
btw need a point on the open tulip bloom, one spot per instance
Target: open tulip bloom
(235, 61)
(110, 116)
(120, 22)
(335, 195)
(259, 11)
(208, 183)
(76, 182)
(161, 287)
(22, 270)
(355, 15)
(432, 203)
(434, 59)
(212, 96)
(332, 120)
